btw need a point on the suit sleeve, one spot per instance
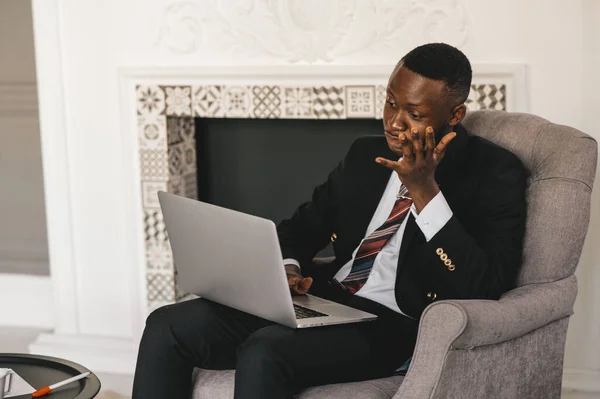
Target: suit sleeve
(480, 260)
(309, 229)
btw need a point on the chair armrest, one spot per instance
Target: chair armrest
(465, 324)
(516, 313)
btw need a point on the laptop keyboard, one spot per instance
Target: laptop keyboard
(305, 313)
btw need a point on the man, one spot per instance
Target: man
(411, 222)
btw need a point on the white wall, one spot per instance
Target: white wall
(23, 246)
(546, 35)
(583, 349)
(83, 45)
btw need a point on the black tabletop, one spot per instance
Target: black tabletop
(40, 371)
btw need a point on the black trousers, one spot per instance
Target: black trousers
(271, 360)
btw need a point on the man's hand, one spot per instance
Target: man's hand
(299, 284)
(416, 168)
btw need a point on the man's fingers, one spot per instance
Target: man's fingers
(440, 149)
(305, 284)
(294, 281)
(302, 287)
(429, 142)
(386, 162)
(407, 149)
(417, 144)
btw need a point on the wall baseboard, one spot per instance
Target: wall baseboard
(582, 380)
(27, 301)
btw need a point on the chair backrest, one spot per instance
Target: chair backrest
(562, 165)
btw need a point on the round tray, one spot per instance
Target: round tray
(40, 371)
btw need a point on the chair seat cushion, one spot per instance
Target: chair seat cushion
(214, 384)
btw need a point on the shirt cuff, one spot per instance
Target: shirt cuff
(433, 217)
(290, 261)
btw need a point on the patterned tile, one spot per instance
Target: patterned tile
(182, 158)
(471, 102)
(180, 130)
(160, 287)
(154, 165)
(159, 257)
(154, 225)
(185, 185)
(188, 129)
(495, 97)
(174, 131)
(150, 191)
(177, 185)
(266, 102)
(380, 94)
(297, 102)
(237, 101)
(180, 295)
(150, 100)
(328, 102)
(487, 96)
(360, 102)
(176, 161)
(207, 101)
(152, 131)
(179, 100)
(190, 185)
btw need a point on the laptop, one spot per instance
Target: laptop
(234, 259)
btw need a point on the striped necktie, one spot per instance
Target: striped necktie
(372, 245)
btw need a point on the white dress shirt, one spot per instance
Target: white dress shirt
(381, 282)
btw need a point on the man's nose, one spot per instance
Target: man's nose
(398, 125)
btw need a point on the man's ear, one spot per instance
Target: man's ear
(457, 115)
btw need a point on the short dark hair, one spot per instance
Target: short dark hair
(440, 61)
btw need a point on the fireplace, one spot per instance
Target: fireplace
(185, 135)
(267, 167)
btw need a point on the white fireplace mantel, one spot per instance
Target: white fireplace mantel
(91, 60)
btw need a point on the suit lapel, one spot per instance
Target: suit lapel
(411, 231)
(448, 171)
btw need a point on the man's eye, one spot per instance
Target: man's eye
(414, 116)
(390, 103)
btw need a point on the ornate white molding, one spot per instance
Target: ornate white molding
(310, 30)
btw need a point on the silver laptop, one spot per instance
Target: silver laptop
(234, 259)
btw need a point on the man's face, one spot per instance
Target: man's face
(413, 101)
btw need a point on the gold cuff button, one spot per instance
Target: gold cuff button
(333, 237)
(439, 251)
(444, 256)
(447, 262)
(451, 268)
(431, 295)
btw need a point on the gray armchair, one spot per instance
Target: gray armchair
(513, 347)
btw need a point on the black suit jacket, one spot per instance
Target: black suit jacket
(484, 186)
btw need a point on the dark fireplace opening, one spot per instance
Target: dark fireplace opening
(268, 167)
